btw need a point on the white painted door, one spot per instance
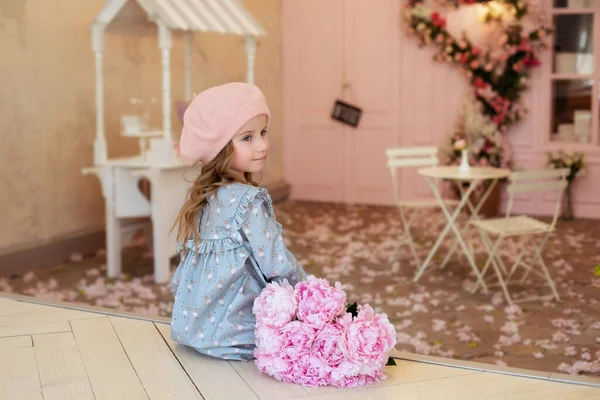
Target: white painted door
(327, 44)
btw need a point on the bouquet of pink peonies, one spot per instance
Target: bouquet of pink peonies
(308, 335)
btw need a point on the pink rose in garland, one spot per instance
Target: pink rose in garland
(321, 341)
(318, 302)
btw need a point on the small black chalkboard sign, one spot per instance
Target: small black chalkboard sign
(346, 113)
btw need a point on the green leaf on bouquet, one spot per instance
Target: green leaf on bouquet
(597, 271)
(353, 309)
(390, 361)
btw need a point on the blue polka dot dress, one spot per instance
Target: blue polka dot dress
(241, 248)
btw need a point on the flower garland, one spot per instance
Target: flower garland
(498, 74)
(477, 133)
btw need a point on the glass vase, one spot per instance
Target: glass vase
(567, 214)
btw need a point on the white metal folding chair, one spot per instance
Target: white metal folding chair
(411, 157)
(511, 227)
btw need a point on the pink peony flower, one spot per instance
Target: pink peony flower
(274, 366)
(309, 370)
(269, 341)
(368, 338)
(318, 343)
(318, 302)
(276, 305)
(296, 340)
(349, 374)
(326, 345)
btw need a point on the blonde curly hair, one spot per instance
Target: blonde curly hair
(212, 176)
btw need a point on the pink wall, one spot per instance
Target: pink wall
(407, 100)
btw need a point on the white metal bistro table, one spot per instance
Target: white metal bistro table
(474, 176)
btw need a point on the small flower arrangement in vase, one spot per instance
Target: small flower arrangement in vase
(487, 147)
(575, 162)
(460, 145)
(136, 124)
(477, 137)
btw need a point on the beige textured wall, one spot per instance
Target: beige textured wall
(47, 115)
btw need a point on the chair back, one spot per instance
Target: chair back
(409, 157)
(543, 180)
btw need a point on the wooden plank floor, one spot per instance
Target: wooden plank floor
(50, 352)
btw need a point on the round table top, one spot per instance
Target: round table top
(474, 173)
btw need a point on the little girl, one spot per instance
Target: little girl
(231, 243)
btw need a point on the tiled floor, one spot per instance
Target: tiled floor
(437, 316)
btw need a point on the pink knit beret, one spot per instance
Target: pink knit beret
(215, 116)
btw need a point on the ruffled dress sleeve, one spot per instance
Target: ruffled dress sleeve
(264, 238)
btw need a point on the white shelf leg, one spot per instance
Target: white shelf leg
(98, 47)
(106, 175)
(113, 242)
(165, 44)
(189, 45)
(169, 188)
(250, 58)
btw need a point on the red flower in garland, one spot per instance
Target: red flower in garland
(498, 119)
(531, 61)
(480, 83)
(525, 45)
(500, 104)
(437, 20)
(488, 145)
